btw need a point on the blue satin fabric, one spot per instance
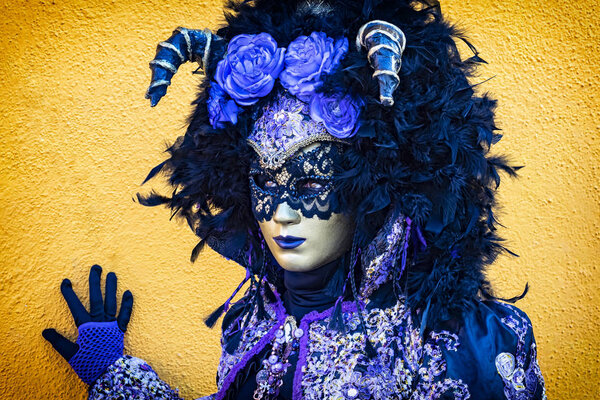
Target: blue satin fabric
(482, 337)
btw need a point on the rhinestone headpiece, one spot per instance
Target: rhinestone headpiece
(284, 128)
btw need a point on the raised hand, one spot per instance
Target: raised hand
(100, 340)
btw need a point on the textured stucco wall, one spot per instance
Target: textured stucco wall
(77, 138)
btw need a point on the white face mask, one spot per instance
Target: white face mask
(298, 242)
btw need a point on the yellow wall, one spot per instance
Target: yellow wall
(77, 138)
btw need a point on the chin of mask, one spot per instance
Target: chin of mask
(297, 209)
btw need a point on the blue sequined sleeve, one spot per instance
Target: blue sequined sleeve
(497, 355)
(131, 378)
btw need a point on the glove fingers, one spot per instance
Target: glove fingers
(110, 297)
(125, 312)
(62, 345)
(80, 315)
(96, 303)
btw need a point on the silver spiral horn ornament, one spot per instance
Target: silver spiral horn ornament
(183, 46)
(385, 44)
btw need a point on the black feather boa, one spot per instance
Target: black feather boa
(428, 154)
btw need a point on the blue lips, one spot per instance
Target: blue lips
(288, 242)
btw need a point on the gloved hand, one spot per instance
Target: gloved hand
(100, 340)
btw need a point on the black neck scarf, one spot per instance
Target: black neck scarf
(310, 290)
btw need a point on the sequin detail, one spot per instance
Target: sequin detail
(284, 128)
(249, 340)
(287, 180)
(131, 378)
(520, 383)
(433, 383)
(337, 367)
(270, 378)
(381, 255)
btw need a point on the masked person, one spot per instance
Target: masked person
(339, 154)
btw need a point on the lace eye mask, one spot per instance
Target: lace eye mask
(304, 182)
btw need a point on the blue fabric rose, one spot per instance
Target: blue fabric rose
(221, 108)
(250, 67)
(338, 112)
(306, 59)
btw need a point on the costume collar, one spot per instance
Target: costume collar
(307, 291)
(386, 251)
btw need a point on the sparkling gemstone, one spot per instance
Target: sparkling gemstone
(277, 368)
(352, 393)
(298, 333)
(279, 333)
(281, 117)
(273, 359)
(262, 376)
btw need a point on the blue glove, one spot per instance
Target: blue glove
(100, 340)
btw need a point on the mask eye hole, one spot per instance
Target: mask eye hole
(265, 182)
(311, 186)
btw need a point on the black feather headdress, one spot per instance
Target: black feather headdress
(426, 155)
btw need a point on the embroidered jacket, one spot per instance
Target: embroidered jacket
(491, 355)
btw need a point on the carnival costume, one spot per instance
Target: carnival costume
(358, 108)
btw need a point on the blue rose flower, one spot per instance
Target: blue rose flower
(306, 59)
(221, 108)
(338, 112)
(249, 69)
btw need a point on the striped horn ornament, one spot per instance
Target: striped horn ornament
(385, 44)
(183, 46)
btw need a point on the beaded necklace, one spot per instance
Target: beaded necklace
(270, 378)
